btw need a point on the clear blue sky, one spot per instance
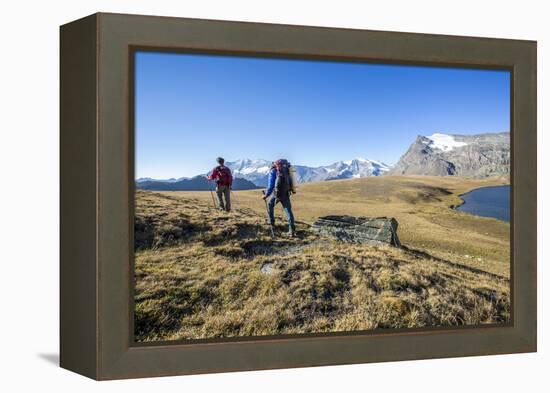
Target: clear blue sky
(193, 108)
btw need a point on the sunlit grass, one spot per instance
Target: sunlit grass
(198, 270)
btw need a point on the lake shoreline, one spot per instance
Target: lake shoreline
(463, 202)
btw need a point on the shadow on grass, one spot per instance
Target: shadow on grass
(425, 255)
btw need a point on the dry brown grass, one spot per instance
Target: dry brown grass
(419, 203)
(198, 270)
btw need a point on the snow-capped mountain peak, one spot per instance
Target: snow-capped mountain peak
(478, 155)
(253, 170)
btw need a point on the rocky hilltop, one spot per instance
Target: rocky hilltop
(466, 155)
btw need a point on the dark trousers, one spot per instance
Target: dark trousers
(224, 192)
(287, 207)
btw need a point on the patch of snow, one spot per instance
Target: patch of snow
(444, 142)
(248, 170)
(263, 169)
(380, 164)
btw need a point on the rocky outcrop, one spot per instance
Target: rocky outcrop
(464, 155)
(368, 230)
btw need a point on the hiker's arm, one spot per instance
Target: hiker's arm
(212, 175)
(270, 183)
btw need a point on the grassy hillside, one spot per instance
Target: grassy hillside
(419, 203)
(202, 273)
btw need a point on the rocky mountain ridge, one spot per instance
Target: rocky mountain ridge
(462, 155)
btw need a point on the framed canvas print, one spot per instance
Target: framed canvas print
(241, 196)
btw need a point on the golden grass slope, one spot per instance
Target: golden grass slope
(419, 203)
(198, 270)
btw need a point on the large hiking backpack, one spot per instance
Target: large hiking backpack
(224, 176)
(284, 184)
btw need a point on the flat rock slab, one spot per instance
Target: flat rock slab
(365, 230)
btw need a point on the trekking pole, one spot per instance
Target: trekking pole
(212, 194)
(269, 218)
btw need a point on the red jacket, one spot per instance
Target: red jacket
(222, 175)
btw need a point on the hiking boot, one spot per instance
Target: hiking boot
(292, 233)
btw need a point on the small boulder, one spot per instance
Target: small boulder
(365, 230)
(267, 268)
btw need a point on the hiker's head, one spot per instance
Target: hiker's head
(220, 160)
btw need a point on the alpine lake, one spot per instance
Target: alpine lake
(488, 202)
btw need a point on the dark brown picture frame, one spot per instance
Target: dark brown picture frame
(97, 195)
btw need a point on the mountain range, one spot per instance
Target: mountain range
(257, 171)
(250, 174)
(437, 155)
(150, 179)
(197, 183)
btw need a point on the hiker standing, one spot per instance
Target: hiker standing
(280, 184)
(224, 179)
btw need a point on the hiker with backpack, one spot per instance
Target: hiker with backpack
(224, 180)
(280, 184)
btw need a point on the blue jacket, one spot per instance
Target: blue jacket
(272, 177)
